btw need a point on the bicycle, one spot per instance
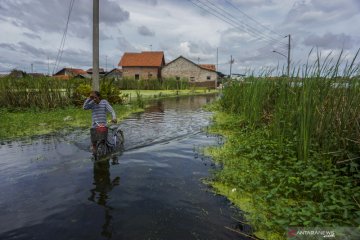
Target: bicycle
(108, 140)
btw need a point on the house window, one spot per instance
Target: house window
(208, 77)
(137, 76)
(149, 75)
(192, 79)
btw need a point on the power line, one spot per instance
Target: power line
(220, 14)
(254, 30)
(62, 43)
(251, 18)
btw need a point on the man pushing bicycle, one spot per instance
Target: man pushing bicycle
(100, 107)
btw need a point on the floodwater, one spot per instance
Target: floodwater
(51, 188)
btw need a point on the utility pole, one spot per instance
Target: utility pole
(217, 66)
(32, 68)
(48, 66)
(231, 62)
(217, 59)
(106, 63)
(95, 72)
(288, 56)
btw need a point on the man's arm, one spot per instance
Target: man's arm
(88, 104)
(111, 110)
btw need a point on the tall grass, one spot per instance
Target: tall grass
(319, 109)
(294, 146)
(42, 92)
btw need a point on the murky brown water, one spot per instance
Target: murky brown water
(52, 189)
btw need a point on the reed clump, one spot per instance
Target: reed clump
(294, 145)
(29, 92)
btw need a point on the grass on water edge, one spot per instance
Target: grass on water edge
(26, 123)
(275, 190)
(149, 94)
(31, 122)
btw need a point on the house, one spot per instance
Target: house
(144, 65)
(67, 73)
(237, 76)
(101, 72)
(116, 74)
(203, 75)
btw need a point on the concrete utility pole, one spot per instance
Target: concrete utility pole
(288, 56)
(231, 62)
(217, 66)
(48, 66)
(217, 59)
(95, 70)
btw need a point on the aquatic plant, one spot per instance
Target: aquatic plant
(293, 146)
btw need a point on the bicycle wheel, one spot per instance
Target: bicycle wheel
(101, 149)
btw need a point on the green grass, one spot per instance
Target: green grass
(25, 123)
(292, 147)
(153, 94)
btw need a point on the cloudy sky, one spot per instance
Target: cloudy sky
(248, 30)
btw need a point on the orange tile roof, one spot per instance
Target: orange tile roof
(76, 71)
(143, 59)
(208, 66)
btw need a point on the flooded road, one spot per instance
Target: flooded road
(51, 188)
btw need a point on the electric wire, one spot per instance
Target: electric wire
(63, 39)
(253, 29)
(251, 18)
(220, 15)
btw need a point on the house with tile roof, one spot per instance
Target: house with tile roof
(116, 74)
(144, 65)
(67, 73)
(203, 75)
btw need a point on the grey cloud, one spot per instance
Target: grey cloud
(80, 57)
(150, 2)
(50, 15)
(193, 51)
(29, 53)
(251, 3)
(317, 12)
(124, 45)
(33, 51)
(32, 35)
(144, 31)
(330, 41)
(8, 46)
(201, 47)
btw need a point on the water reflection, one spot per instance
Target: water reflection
(103, 185)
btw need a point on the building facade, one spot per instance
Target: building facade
(142, 66)
(182, 68)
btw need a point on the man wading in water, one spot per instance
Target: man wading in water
(99, 109)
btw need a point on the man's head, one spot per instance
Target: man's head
(95, 95)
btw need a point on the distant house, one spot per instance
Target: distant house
(237, 76)
(144, 65)
(200, 75)
(114, 74)
(67, 73)
(101, 72)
